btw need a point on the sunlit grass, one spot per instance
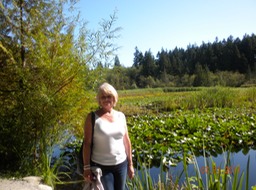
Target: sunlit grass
(138, 101)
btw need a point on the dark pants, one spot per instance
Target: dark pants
(113, 177)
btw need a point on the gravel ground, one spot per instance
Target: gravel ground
(27, 183)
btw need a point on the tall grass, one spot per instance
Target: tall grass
(54, 170)
(140, 101)
(212, 97)
(143, 180)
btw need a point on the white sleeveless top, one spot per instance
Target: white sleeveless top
(108, 143)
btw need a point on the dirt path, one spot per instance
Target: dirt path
(27, 183)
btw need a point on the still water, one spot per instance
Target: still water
(237, 160)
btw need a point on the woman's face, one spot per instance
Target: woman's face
(106, 101)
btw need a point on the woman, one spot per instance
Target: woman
(111, 150)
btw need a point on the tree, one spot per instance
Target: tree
(163, 64)
(46, 78)
(138, 57)
(117, 62)
(202, 77)
(148, 65)
(100, 44)
(118, 77)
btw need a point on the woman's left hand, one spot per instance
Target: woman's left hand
(130, 171)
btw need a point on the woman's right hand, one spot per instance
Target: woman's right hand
(88, 175)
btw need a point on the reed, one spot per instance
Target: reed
(208, 177)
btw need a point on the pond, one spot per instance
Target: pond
(237, 160)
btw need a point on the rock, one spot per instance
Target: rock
(26, 183)
(44, 187)
(34, 180)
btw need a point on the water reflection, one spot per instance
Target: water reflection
(237, 160)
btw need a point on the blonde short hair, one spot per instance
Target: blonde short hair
(107, 89)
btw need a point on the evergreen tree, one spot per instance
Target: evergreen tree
(138, 57)
(230, 56)
(148, 65)
(163, 64)
(117, 62)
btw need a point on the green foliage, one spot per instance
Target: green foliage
(224, 176)
(51, 174)
(172, 134)
(202, 76)
(211, 119)
(216, 177)
(223, 63)
(143, 179)
(46, 78)
(213, 97)
(225, 78)
(163, 139)
(46, 81)
(117, 78)
(157, 100)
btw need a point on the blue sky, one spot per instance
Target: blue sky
(156, 24)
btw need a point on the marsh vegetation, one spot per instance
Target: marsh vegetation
(174, 125)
